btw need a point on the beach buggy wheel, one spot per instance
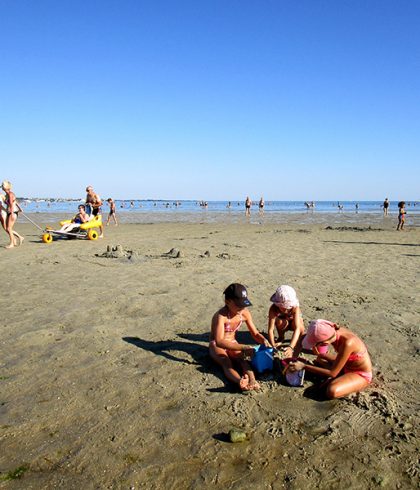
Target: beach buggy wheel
(47, 238)
(93, 235)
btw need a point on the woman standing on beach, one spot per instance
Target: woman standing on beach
(10, 210)
(349, 370)
(224, 348)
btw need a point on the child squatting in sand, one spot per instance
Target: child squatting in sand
(350, 369)
(224, 348)
(285, 314)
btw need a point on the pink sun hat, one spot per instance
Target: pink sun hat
(318, 331)
(285, 296)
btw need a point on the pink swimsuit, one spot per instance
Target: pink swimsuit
(228, 329)
(354, 356)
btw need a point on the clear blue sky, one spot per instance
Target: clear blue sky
(211, 99)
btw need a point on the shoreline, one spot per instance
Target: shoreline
(235, 217)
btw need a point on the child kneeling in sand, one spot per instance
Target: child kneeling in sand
(285, 314)
(224, 348)
(350, 369)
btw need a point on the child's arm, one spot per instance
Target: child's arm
(326, 357)
(298, 330)
(271, 325)
(257, 336)
(332, 372)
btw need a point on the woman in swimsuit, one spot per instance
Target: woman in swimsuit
(285, 314)
(12, 209)
(224, 348)
(350, 368)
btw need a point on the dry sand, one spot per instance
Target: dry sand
(106, 381)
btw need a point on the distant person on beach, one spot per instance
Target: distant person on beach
(285, 315)
(9, 214)
(401, 215)
(112, 211)
(349, 370)
(261, 206)
(224, 348)
(95, 201)
(357, 207)
(385, 205)
(248, 204)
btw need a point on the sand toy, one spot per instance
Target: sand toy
(262, 360)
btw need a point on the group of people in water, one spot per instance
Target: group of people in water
(348, 369)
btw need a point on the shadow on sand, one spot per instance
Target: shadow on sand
(198, 355)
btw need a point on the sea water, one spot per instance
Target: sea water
(230, 207)
(275, 212)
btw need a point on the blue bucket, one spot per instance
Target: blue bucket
(263, 358)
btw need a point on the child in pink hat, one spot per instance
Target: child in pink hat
(350, 368)
(284, 314)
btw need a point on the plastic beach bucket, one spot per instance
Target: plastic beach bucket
(262, 359)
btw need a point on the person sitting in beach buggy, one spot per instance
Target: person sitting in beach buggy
(84, 225)
(81, 217)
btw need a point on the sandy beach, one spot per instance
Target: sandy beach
(106, 382)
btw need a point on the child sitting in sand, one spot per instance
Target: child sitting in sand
(350, 369)
(401, 215)
(285, 314)
(224, 348)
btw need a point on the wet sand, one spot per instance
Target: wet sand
(106, 380)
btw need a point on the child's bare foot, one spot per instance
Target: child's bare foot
(10, 246)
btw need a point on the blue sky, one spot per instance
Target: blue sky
(211, 99)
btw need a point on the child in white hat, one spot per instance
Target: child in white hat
(284, 314)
